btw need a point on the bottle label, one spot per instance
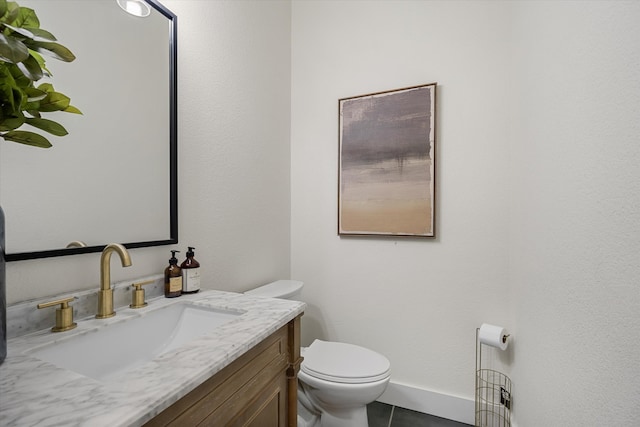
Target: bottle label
(190, 279)
(175, 284)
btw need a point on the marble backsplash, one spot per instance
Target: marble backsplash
(24, 317)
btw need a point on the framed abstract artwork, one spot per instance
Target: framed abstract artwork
(386, 182)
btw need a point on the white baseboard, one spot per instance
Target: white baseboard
(430, 402)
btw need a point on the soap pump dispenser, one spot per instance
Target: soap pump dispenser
(172, 278)
(190, 273)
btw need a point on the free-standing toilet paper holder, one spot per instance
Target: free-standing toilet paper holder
(493, 388)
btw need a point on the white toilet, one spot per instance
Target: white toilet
(336, 380)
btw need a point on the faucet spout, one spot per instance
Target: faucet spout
(105, 296)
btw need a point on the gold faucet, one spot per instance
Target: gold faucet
(105, 296)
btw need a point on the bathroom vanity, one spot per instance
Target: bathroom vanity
(243, 372)
(258, 389)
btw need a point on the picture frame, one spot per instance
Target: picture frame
(387, 163)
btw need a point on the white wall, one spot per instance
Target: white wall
(234, 116)
(235, 80)
(416, 301)
(538, 197)
(575, 225)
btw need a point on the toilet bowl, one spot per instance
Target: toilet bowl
(340, 379)
(336, 380)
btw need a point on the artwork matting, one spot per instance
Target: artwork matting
(386, 173)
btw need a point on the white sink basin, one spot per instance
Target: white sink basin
(121, 347)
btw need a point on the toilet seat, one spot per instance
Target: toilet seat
(344, 363)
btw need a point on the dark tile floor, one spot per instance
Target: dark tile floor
(383, 415)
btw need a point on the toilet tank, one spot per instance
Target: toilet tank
(284, 289)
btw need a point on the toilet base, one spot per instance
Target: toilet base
(353, 417)
(336, 416)
(306, 418)
(338, 404)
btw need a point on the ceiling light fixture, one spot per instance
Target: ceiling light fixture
(135, 7)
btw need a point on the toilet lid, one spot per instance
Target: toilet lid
(278, 289)
(344, 363)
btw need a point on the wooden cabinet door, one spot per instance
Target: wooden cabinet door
(268, 409)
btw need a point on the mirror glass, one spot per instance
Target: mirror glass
(113, 178)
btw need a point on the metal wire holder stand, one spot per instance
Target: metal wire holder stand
(493, 394)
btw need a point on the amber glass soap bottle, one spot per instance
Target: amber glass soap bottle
(172, 278)
(190, 273)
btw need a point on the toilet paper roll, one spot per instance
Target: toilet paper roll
(492, 335)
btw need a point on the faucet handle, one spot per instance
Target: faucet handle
(64, 314)
(137, 297)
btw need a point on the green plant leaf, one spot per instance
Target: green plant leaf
(41, 62)
(46, 87)
(72, 109)
(7, 97)
(11, 123)
(34, 94)
(7, 81)
(20, 79)
(26, 18)
(55, 50)
(13, 11)
(54, 101)
(3, 7)
(28, 138)
(50, 126)
(34, 33)
(12, 50)
(22, 31)
(31, 106)
(11, 96)
(31, 68)
(41, 35)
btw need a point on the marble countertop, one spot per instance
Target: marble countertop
(36, 393)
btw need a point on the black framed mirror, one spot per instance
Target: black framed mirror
(114, 177)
